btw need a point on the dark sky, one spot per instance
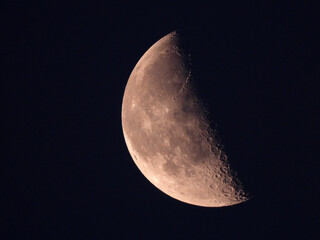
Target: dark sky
(67, 173)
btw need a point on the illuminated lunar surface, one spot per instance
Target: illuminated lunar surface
(168, 134)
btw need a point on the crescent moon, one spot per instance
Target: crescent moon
(168, 134)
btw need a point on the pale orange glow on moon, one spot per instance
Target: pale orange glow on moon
(167, 132)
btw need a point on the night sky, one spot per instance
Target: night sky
(67, 173)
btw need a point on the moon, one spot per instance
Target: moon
(168, 134)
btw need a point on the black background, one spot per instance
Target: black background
(67, 173)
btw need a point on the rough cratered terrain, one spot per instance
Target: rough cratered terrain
(168, 134)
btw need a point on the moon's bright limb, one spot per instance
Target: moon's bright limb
(168, 134)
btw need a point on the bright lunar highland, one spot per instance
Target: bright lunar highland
(168, 134)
